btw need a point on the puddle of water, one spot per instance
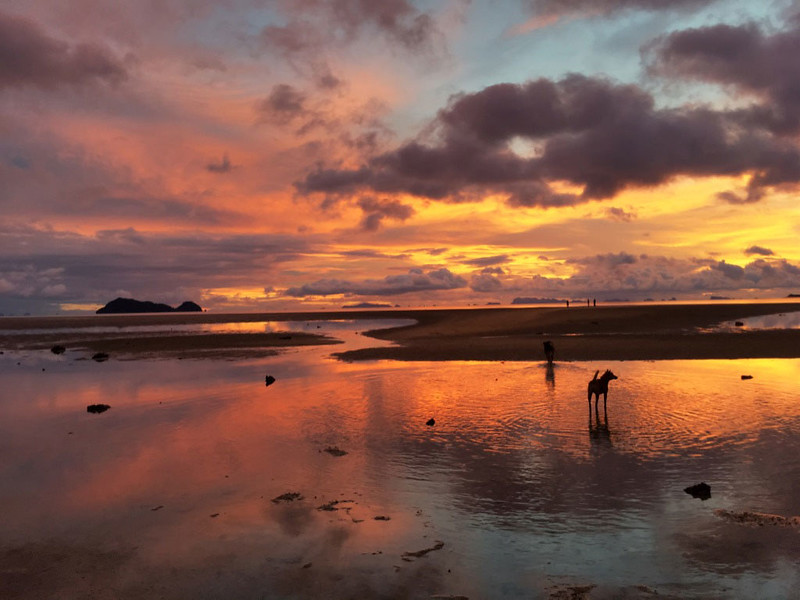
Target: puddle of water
(524, 483)
(789, 320)
(321, 326)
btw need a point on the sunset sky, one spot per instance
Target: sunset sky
(301, 154)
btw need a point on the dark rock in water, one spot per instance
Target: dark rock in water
(739, 324)
(129, 305)
(747, 376)
(100, 357)
(701, 490)
(58, 349)
(269, 380)
(97, 408)
(430, 422)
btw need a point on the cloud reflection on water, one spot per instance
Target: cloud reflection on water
(518, 475)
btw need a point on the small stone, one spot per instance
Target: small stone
(430, 422)
(97, 408)
(747, 376)
(100, 357)
(57, 349)
(701, 490)
(269, 380)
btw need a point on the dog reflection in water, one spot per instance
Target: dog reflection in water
(599, 385)
(599, 434)
(549, 355)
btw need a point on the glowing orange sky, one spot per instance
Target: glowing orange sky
(276, 155)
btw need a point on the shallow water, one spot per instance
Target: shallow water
(169, 493)
(787, 320)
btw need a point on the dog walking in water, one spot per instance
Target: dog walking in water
(599, 385)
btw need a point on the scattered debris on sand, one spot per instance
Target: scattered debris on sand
(572, 592)
(335, 451)
(287, 497)
(100, 357)
(97, 408)
(747, 376)
(757, 519)
(58, 349)
(420, 553)
(269, 380)
(701, 490)
(334, 504)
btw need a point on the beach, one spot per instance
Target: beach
(619, 332)
(420, 455)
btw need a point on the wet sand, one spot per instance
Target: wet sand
(625, 332)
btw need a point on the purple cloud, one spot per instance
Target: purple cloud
(759, 250)
(591, 8)
(488, 261)
(766, 66)
(591, 132)
(414, 281)
(376, 210)
(223, 166)
(31, 57)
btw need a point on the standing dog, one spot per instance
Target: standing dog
(599, 385)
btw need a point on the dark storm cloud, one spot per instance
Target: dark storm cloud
(376, 210)
(31, 57)
(767, 66)
(759, 250)
(414, 281)
(606, 7)
(591, 132)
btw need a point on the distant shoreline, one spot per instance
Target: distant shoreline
(614, 332)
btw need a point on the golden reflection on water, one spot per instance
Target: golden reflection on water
(520, 477)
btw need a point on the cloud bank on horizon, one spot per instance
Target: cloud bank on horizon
(277, 154)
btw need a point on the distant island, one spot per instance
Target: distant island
(368, 305)
(537, 301)
(129, 305)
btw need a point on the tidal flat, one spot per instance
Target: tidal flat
(200, 481)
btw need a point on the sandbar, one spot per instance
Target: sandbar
(614, 332)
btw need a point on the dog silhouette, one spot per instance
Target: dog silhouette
(599, 385)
